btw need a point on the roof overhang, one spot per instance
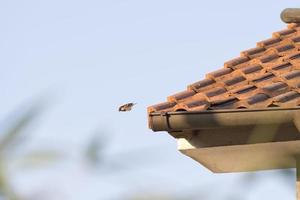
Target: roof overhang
(243, 158)
(235, 140)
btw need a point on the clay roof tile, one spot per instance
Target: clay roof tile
(264, 76)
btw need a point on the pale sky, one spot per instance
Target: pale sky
(92, 56)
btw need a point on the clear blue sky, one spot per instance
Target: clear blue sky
(96, 55)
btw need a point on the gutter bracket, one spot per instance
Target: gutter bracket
(165, 116)
(297, 120)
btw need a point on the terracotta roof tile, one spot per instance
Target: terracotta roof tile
(274, 89)
(251, 69)
(181, 96)
(288, 96)
(295, 39)
(254, 52)
(281, 67)
(237, 61)
(215, 92)
(284, 33)
(269, 58)
(294, 56)
(269, 42)
(162, 107)
(202, 85)
(257, 98)
(224, 103)
(244, 92)
(264, 76)
(192, 105)
(218, 73)
(292, 75)
(234, 81)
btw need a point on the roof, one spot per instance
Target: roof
(267, 75)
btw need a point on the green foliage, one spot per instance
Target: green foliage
(12, 139)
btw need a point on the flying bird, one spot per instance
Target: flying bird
(126, 107)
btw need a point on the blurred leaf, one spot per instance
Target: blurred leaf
(136, 157)
(194, 195)
(39, 158)
(5, 188)
(15, 132)
(288, 173)
(8, 141)
(94, 153)
(289, 176)
(248, 179)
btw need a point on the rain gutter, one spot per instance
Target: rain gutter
(211, 119)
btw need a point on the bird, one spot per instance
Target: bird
(126, 107)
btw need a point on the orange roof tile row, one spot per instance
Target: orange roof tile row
(265, 76)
